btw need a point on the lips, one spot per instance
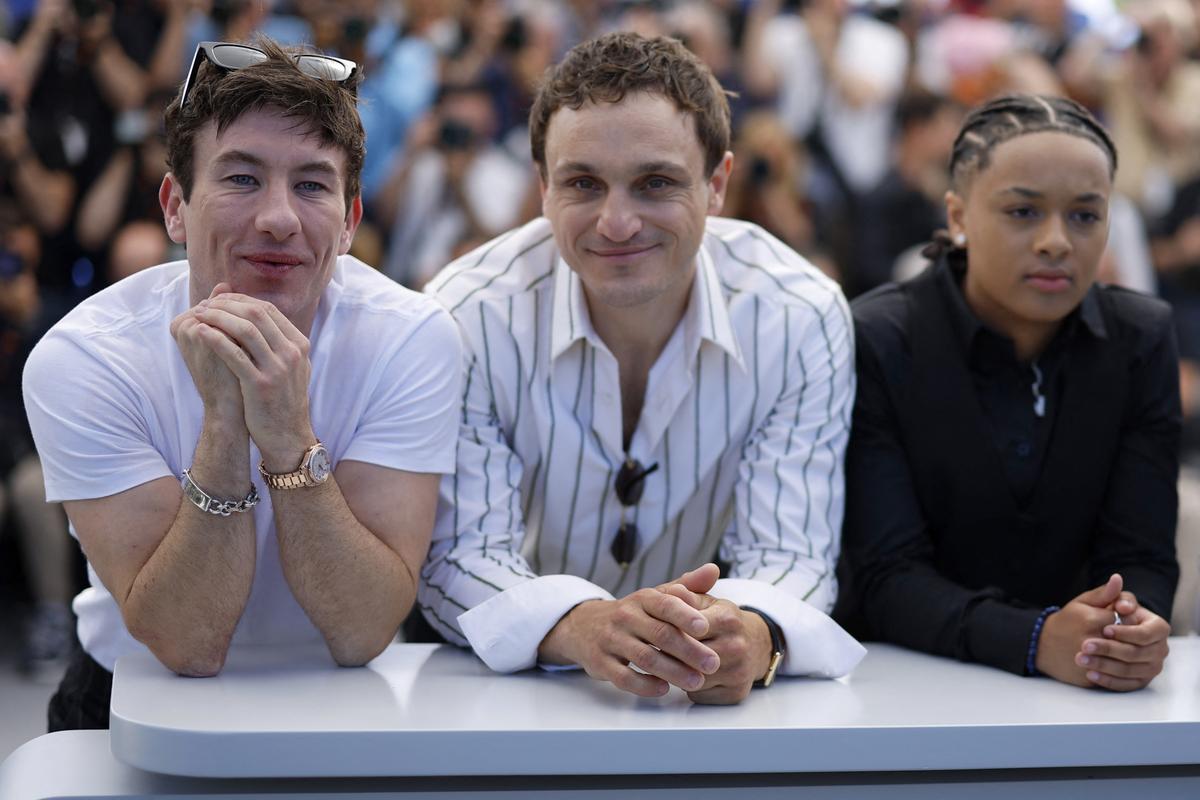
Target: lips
(622, 252)
(271, 264)
(1050, 281)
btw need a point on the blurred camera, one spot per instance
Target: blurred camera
(85, 9)
(11, 264)
(455, 135)
(760, 170)
(5, 104)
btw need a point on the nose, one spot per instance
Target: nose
(276, 214)
(1052, 239)
(619, 221)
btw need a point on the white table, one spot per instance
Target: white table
(903, 724)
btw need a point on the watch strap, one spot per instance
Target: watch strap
(777, 649)
(298, 478)
(211, 505)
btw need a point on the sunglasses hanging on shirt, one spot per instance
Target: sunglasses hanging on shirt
(630, 482)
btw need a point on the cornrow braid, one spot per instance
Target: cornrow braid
(1008, 117)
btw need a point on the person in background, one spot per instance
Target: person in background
(455, 189)
(40, 528)
(1011, 473)
(906, 208)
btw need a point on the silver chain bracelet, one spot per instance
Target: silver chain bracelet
(209, 504)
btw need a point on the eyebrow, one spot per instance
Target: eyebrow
(641, 169)
(1032, 194)
(323, 166)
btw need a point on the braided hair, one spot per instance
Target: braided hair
(1008, 117)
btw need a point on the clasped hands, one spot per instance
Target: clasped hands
(674, 634)
(250, 365)
(1081, 644)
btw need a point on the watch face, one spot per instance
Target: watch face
(318, 465)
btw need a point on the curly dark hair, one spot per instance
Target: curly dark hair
(327, 108)
(608, 67)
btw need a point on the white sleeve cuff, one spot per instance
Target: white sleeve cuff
(506, 630)
(815, 644)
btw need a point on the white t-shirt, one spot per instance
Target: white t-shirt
(112, 406)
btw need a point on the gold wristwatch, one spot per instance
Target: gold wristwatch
(315, 468)
(777, 648)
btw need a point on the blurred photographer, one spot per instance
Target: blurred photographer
(82, 63)
(767, 182)
(41, 528)
(454, 189)
(126, 194)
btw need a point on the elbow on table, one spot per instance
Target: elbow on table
(357, 651)
(191, 659)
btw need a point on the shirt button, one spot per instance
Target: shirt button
(1024, 448)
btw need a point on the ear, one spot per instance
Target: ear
(353, 217)
(955, 214)
(718, 182)
(170, 197)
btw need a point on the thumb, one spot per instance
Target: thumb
(220, 288)
(701, 579)
(1103, 596)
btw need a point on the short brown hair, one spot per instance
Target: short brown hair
(607, 68)
(327, 108)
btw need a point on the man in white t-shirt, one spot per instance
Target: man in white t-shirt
(248, 443)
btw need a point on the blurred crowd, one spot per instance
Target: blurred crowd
(844, 115)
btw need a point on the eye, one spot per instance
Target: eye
(1088, 217)
(582, 184)
(1022, 212)
(657, 183)
(242, 180)
(311, 187)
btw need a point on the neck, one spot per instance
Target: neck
(637, 334)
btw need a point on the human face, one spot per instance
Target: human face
(1036, 222)
(267, 213)
(626, 193)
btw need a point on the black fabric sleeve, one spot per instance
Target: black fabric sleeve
(1135, 533)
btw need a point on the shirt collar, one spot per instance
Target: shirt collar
(967, 326)
(706, 317)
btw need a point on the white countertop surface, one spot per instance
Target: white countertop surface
(436, 710)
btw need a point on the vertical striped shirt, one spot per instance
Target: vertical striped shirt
(746, 412)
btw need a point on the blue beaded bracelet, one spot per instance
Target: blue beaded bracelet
(1031, 658)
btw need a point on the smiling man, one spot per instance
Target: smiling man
(645, 383)
(248, 442)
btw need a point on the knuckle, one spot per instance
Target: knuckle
(660, 632)
(622, 615)
(644, 656)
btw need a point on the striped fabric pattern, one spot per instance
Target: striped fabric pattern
(746, 412)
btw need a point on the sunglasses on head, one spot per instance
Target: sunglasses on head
(230, 57)
(629, 485)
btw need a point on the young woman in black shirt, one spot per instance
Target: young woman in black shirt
(1012, 463)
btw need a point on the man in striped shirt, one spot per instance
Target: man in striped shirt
(644, 382)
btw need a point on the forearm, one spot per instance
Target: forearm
(46, 195)
(186, 600)
(31, 50)
(102, 207)
(916, 606)
(354, 588)
(122, 82)
(168, 55)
